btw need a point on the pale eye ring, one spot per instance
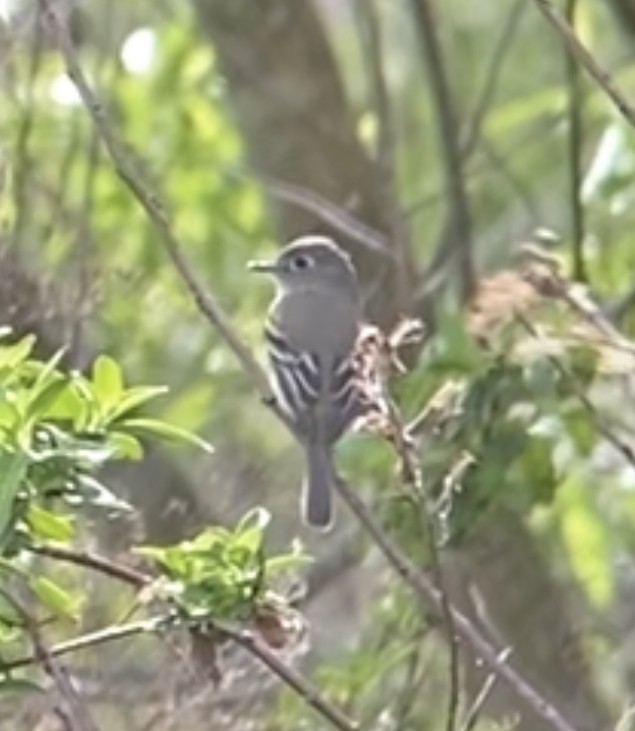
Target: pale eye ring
(300, 262)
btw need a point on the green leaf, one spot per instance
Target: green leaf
(49, 526)
(87, 416)
(285, 563)
(156, 428)
(41, 403)
(13, 467)
(135, 397)
(12, 355)
(48, 372)
(107, 381)
(59, 601)
(126, 446)
(68, 404)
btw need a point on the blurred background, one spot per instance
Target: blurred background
(431, 139)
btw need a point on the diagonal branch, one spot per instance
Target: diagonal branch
(575, 47)
(77, 715)
(430, 595)
(91, 639)
(290, 677)
(93, 561)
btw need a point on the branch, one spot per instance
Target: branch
(459, 212)
(92, 561)
(574, 46)
(326, 211)
(290, 677)
(617, 309)
(429, 595)
(386, 153)
(91, 639)
(575, 140)
(471, 717)
(494, 67)
(614, 439)
(78, 716)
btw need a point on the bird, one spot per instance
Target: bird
(311, 331)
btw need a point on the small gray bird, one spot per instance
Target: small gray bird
(311, 332)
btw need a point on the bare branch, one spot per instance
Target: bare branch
(459, 211)
(494, 67)
(430, 595)
(574, 46)
(78, 717)
(93, 561)
(328, 212)
(291, 677)
(91, 639)
(575, 141)
(471, 717)
(387, 150)
(614, 439)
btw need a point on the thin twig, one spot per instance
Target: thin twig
(575, 141)
(434, 276)
(386, 156)
(473, 712)
(617, 309)
(446, 610)
(447, 128)
(92, 561)
(291, 677)
(91, 639)
(83, 255)
(611, 437)
(575, 47)
(430, 595)
(326, 211)
(494, 67)
(78, 716)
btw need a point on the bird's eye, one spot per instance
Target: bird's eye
(301, 262)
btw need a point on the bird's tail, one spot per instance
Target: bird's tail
(318, 486)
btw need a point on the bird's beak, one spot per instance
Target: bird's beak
(262, 266)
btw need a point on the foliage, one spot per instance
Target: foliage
(221, 574)
(57, 431)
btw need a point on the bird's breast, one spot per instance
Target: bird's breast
(317, 322)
